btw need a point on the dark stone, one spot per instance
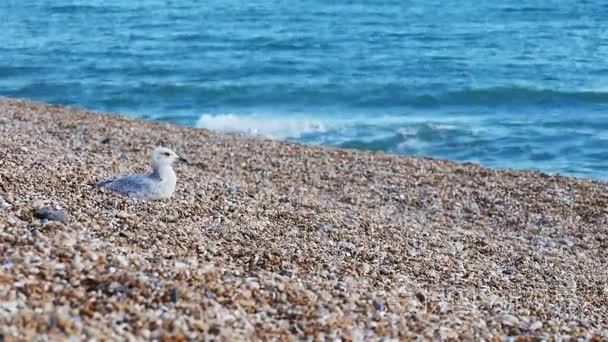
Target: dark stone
(286, 272)
(324, 227)
(377, 305)
(174, 295)
(50, 214)
(509, 270)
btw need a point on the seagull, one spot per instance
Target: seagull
(156, 185)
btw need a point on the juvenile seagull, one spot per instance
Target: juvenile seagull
(156, 185)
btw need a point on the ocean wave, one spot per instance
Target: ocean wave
(520, 95)
(279, 127)
(80, 9)
(397, 95)
(367, 132)
(372, 96)
(363, 98)
(20, 70)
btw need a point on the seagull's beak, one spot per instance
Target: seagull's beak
(182, 159)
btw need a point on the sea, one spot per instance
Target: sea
(506, 84)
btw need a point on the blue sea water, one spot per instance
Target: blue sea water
(518, 84)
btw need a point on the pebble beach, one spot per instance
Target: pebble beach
(269, 240)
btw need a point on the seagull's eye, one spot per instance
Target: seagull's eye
(167, 154)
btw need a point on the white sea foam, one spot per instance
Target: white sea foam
(266, 125)
(330, 130)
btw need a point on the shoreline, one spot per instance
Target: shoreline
(265, 238)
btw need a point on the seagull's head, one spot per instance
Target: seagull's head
(164, 156)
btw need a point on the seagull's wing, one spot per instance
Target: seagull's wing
(132, 185)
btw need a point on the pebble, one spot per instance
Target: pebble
(181, 266)
(123, 214)
(38, 204)
(377, 305)
(325, 296)
(448, 333)
(3, 203)
(324, 227)
(535, 326)
(46, 213)
(509, 270)
(509, 320)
